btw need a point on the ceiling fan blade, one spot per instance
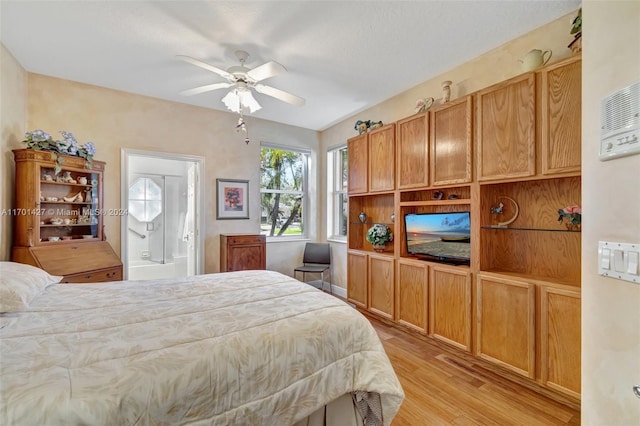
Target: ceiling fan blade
(207, 88)
(266, 70)
(280, 94)
(206, 66)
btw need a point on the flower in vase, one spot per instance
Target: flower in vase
(379, 234)
(572, 215)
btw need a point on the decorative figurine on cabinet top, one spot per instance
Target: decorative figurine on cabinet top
(446, 91)
(375, 125)
(362, 126)
(423, 104)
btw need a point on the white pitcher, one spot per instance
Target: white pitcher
(535, 59)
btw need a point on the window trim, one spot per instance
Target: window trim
(305, 193)
(333, 177)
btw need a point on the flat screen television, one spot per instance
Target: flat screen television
(439, 237)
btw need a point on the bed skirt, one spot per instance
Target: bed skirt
(341, 411)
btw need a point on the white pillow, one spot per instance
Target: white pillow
(20, 284)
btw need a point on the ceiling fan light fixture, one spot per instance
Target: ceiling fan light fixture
(240, 98)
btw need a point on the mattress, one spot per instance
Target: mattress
(239, 348)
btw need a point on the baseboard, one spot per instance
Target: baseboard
(336, 290)
(339, 291)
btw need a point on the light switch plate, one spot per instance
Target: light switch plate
(616, 260)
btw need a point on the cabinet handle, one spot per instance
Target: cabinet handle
(88, 276)
(636, 390)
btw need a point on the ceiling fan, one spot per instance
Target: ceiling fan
(242, 79)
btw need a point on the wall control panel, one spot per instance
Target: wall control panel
(619, 260)
(620, 123)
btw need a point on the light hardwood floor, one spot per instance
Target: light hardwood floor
(443, 389)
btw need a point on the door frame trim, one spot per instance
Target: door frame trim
(125, 153)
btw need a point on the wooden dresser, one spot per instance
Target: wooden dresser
(58, 218)
(241, 252)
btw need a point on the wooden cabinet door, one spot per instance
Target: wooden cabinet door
(505, 332)
(506, 129)
(381, 284)
(560, 340)
(451, 142)
(412, 147)
(561, 117)
(382, 159)
(450, 306)
(411, 294)
(246, 257)
(242, 252)
(358, 164)
(357, 279)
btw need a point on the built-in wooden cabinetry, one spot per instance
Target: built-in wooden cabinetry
(58, 217)
(506, 119)
(411, 296)
(382, 159)
(560, 108)
(505, 316)
(357, 278)
(517, 305)
(358, 164)
(450, 305)
(242, 252)
(381, 285)
(451, 143)
(560, 339)
(412, 148)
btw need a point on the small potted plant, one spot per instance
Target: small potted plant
(572, 217)
(379, 235)
(42, 141)
(576, 31)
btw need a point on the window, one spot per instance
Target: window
(337, 200)
(145, 200)
(283, 191)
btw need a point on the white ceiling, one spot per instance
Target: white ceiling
(341, 56)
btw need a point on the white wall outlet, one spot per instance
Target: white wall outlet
(619, 260)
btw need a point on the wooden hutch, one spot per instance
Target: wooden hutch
(58, 218)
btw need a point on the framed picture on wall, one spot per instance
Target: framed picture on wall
(232, 199)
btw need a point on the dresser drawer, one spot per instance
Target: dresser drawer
(99, 276)
(245, 239)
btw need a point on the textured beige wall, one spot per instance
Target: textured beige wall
(611, 202)
(13, 116)
(492, 67)
(114, 120)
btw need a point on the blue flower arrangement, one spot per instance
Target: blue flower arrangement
(42, 141)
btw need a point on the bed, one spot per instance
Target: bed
(239, 348)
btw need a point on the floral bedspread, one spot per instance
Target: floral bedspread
(240, 348)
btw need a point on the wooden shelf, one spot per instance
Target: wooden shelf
(532, 278)
(68, 202)
(51, 225)
(496, 228)
(49, 182)
(459, 201)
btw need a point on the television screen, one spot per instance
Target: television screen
(441, 237)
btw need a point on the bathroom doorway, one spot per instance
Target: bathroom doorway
(161, 233)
